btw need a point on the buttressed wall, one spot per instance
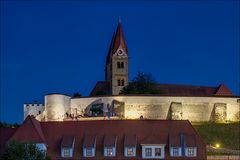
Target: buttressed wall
(149, 107)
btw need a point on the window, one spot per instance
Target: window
(122, 64)
(148, 152)
(89, 152)
(175, 151)
(118, 64)
(130, 151)
(190, 152)
(122, 82)
(109, 151)
(158, 152)
(119, 82)
(66, 152)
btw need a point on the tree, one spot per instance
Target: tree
(8, 125)
(77, 94)
(23, 151)
(141, 84)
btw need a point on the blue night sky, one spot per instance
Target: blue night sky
(61, 46)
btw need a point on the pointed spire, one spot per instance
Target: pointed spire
(117, 41)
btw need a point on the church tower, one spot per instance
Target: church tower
(116, 69)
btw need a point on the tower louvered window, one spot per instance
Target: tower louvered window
(122, 82)
(120, 65)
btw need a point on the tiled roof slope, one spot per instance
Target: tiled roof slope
(223, 91)
(175, 90)
(146, 131)
(101, 87)
(30, 131)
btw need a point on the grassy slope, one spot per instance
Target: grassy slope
(226, 134)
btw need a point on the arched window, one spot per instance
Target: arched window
(122, 64)
(118, 64)
(119, 82)
(122, 82)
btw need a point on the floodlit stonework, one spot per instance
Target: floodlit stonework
(195, 109)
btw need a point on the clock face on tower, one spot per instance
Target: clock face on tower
(120, 52)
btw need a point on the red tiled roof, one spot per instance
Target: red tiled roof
(191, 140)
(160, 138)
(101, 86)
(109, 140)
(130, 140)
(185, 90)
(67, 141)
(174, 140)
(30, 130)
(89, 140)
(146, 131)
(174, 90)
(223, 91)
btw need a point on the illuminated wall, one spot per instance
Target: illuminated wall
(149, 107)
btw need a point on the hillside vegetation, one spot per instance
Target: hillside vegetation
(227, 135)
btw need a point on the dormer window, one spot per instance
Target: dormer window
(130, 143)
(67, 146)
(110, 145)
(89, 152)
(157, 152)
(190, 151)
(153, 147)
(130, 151)
(175, 151)
(148, 152)
(66, 152)
(89, 146)
(109, 151)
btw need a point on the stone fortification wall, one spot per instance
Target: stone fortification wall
(56, 106)
(195, 109)
(152, 107)
(32, 109)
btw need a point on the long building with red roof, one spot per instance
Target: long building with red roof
(112, 139)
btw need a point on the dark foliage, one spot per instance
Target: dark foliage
(23, 151)
(8, 125)
(77, 94)
(141, 84)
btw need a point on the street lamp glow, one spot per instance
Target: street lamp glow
(217, 145)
